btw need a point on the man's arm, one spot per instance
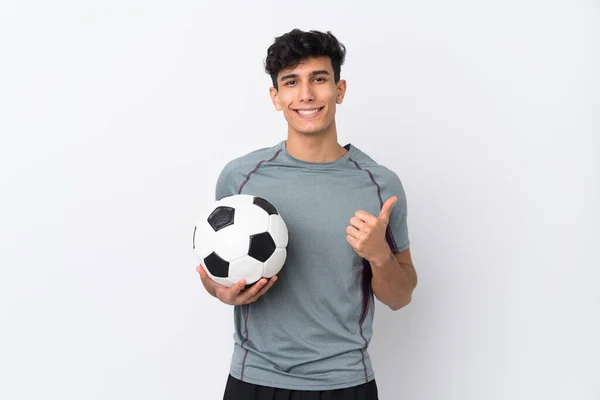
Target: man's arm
(394, 279)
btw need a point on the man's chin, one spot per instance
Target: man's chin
(310, 132)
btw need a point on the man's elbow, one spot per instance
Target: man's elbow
(401, 303)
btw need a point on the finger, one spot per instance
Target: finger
(267, 286)
(358, 223)
(354, 232)
(253, 290)
(210, 285)
(386, 209)
(229, 294)
(366, 217)
(203, 275)
(231, 291)
(264, 289)
(236, 289)
(352, 241)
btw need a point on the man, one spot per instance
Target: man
(304, 334)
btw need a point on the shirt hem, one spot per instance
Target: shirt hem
(307, 386)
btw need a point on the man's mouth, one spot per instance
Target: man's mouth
(309, 112)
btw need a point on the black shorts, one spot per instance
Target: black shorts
(238, 390)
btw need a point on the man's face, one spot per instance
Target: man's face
(308, 96)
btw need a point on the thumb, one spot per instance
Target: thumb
(386, 209)
(202, 272)
(207, 281)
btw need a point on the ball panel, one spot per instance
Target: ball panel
(236, 200)
(221, 281)
(261, 246)
(278, 230)
(221, 217)
(224, 281)
(274, 264)
(194, 238)
(203, 239)
(247, 268)
(251, 220)
(265, 205)
(216, 266)
(231, 243)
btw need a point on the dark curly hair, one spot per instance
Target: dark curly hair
(296, 46)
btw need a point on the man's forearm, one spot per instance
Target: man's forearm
(392, 282)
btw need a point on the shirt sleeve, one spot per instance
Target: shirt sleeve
(397, 231)
(225, 185)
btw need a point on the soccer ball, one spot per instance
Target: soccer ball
(241, 237)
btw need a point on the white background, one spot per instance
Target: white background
(116, 117)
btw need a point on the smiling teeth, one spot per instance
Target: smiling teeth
(311, 112)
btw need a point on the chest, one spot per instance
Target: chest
(316, 205)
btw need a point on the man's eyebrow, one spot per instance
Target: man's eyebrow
(313, 73)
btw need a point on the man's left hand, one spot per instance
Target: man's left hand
(366, 233)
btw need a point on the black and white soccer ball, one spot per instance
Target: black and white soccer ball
(241, 237)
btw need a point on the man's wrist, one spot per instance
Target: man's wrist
(382, 261)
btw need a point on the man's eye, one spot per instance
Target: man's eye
(320, 79)
(290, 82)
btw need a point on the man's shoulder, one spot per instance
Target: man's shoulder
(366, 162)
(250, 160)
(237, 170)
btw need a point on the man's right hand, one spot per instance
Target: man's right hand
(237, 294)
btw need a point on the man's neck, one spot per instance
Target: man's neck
(318, 148)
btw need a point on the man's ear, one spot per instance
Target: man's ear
(275, 98)
(341, 88)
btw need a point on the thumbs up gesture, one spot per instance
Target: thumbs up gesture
(366, 232)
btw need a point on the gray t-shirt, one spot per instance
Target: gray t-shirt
(311, 330)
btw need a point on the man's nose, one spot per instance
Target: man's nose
(306, 93)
